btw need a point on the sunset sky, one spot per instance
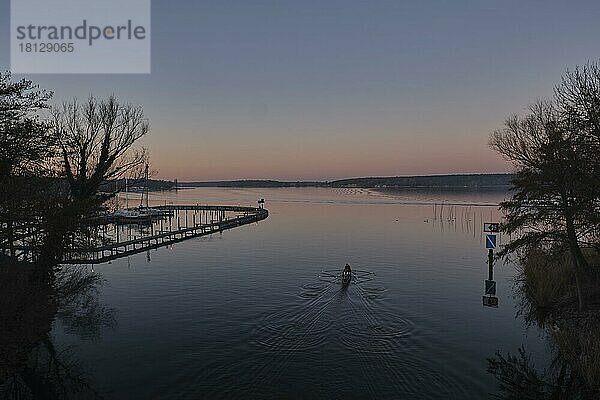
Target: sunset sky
(322, 89)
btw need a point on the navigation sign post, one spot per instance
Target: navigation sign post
(491, 228)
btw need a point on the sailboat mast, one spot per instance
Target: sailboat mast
(147, 187)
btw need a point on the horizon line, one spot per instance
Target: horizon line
(335, 180)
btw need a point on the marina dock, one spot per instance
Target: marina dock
(109, 240)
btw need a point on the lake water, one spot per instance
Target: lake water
(249, 313)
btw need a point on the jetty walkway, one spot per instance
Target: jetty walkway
(111, 240)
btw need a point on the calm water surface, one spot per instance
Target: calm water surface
(248, 314)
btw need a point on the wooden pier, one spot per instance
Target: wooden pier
(182, 222)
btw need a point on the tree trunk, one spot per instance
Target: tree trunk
(10, 238)
(580, 300)
(579, 262)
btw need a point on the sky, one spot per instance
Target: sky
(327, 89)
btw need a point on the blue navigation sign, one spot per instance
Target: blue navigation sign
(490, 287)
(490, 241)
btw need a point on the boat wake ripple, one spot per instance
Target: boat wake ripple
(334, 325)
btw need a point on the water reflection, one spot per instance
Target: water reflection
(80, 310)
(248, 316)
(518, 378)
(31, 367)
(327, 321)
(573, 369)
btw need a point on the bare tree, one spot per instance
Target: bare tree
(555, 150)
(27, 148)
(25, 141)
(18, 99)
(578, 98)
(97, 141)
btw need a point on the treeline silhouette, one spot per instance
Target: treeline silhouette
(434, 181)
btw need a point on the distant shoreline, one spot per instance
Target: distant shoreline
(461, 181)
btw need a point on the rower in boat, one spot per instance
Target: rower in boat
(346, 275)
